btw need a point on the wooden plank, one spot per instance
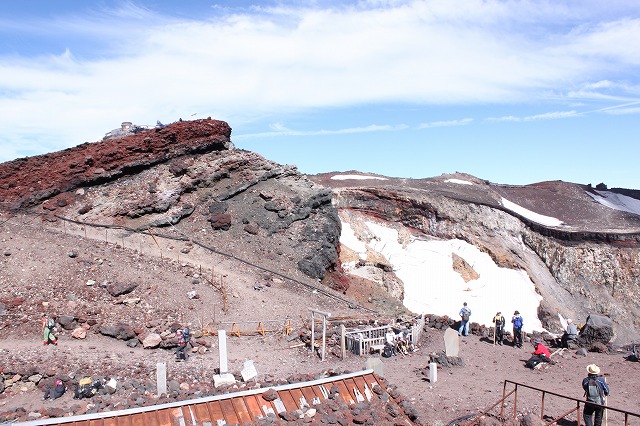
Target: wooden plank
(137, 419)
(344, 392)
(150, 418)
(309, 394)
(124, 420)
(215, 411)
(189, 413)
(253, 407)
(241, 410)
(289, 403)
(363, 386)
(201, 412)
(229, 412)
(95, 422)
(163, 417)
(351, 385)
(176, 416)
(297, 395)
(109, 421)
(262, 403)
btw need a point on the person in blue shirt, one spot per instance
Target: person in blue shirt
(464, 313)
(517, 322)
(595, 390)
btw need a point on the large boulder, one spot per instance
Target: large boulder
(119, 331)
(596, 329)
(117, 289)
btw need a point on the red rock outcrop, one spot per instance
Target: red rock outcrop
(30, 180)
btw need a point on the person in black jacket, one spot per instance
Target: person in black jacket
(498, 320)
(55, 392)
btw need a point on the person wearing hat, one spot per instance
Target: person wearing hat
(517, 322)
(570, 334)
(541, 354)
(595, 390)
(55, 392)
(498, 320)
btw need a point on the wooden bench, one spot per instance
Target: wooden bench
(376, 348)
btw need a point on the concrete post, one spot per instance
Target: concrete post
(343, 341)
(433, 372)
(222, 344)
(161, 378)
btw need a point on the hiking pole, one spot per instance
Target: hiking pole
(494, 334)
(606, 412)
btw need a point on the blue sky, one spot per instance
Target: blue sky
(514, 92)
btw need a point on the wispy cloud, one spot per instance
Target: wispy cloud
(280, 130)
(448, 123)
(545, 116)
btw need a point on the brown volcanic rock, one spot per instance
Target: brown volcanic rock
(29, 180)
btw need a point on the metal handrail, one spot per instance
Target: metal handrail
(514, 392)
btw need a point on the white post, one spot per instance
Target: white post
(324, 335)
(433, 372)
(161, 378)
(313, 338)
(222, 343)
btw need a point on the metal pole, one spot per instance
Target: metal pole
(542, 406)
(504, 392)
(313, 339)
(324, 334)
(515, 402)
(578, 411)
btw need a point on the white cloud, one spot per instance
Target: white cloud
(449, 123)
(280, 130)
(544, 116)
(137, 65)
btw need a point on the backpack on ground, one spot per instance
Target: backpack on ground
(594, 392)
(387, 351)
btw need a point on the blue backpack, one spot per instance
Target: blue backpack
(517, 322)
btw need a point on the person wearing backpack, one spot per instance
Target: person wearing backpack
(595, 390)
(517, 322)
(464, 313)
(184, 338)
(47, 328)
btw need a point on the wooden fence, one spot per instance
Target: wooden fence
(360, 341)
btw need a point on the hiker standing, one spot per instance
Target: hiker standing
(464, 313)
(570, 334)
(184, 337)
(541, 354)
(47, 330)
(498, 320)
(595, 390)
(517, 322)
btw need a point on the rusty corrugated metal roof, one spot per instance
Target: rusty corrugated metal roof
(234, 408)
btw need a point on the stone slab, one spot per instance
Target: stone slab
(451, 342)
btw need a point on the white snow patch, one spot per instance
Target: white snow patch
(459, 181)
(533, 216)
(432, 286)
(356, 177)
(349, 239)
(617, 201)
